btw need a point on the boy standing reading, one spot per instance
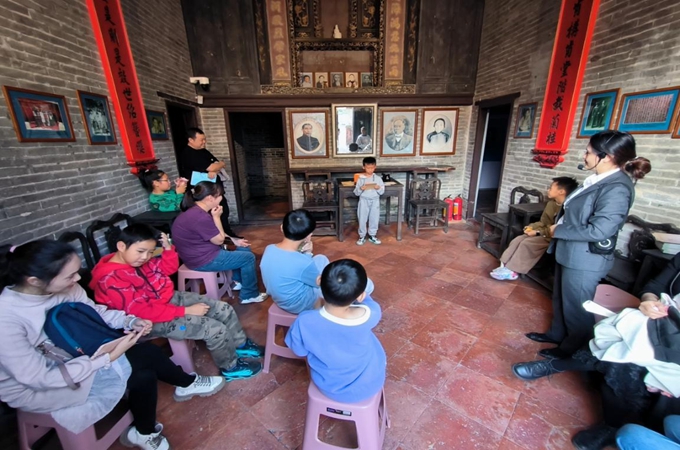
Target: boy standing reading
(525, 250)
(369, 188)
(131, 280)
(346, 360)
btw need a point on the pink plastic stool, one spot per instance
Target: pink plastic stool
(370, 419)
(181, 354)
(277, 316)
(32, 426)
(216, 283)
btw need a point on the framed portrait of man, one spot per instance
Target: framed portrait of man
(320, 80)
(352, 79)
(366, 79)
(398, 127)
(598, 112)
(439, 131)
(306, 79)
(308, 131)
(337, 79)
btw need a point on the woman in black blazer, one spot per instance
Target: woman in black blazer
(584, 237)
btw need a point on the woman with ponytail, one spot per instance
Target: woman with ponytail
(199, 238)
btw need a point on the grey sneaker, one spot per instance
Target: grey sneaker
(374, 240)
(202, 386)
(260, 298)
(154, 441)
(361, 241)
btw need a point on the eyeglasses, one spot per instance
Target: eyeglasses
(163, 180)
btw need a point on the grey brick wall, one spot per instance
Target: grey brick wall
(49, 46)
(635, 47)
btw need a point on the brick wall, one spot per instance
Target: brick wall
(635, 47)
(49, 46)
(267, 172)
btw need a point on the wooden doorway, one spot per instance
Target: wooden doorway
(180, 118)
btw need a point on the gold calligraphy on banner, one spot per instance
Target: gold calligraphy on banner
(278, 41)
(394, 57)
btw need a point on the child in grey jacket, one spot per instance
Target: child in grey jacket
(369, 187)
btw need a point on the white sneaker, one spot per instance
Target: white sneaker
(154, 441)
(236, 286)
(202, 386)
(260, 298)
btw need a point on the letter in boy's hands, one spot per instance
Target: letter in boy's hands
(369, 186)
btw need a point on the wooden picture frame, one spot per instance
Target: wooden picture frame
(648, 112)
(352, 80)
(321, 80)
(39, 116)
(97, 118)
(307, 132)
(402, 122)
(158, 126)
(525, 121)
(598, 112)
(337, 80)
(440, 126)
(348, 121)
(676, 133)
(366, 79)
(303, 79)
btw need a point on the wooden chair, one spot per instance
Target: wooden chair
(496, 241)
(111, 233)
(321, 201)
(425, 208)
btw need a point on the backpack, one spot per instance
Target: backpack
(78, 329)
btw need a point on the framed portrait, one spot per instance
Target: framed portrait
(648, 111)
(366, 79)
(157, 125)
(354, 130)
(308, 131)
(352, 79)
(524, 126)
(321, 80)
(306, 79)
(39, 116)
(439, 131)
(598, 112)
(97, 118)
(398, 128)
(337, 79)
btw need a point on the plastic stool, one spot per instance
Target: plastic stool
(32, 426)
(370, 419)
(277, 316)
(181, 354)
(216, 283)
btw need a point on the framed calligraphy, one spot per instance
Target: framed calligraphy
(649, 111)
(97, 118)
(38, 116)
(526, 115)
(567, 66)
(598, 112)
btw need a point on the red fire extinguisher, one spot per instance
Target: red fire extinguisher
(450, 201)
(455, 207)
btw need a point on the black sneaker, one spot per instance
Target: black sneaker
(250, 350)
(242, 370)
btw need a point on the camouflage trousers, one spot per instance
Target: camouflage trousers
(219, 328)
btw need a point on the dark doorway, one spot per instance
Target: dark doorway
(491, 139)
(260, 165)
(180, 117)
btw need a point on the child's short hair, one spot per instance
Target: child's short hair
(298, 224)
(137, 232)
(569, 184)
(343, 281)
(369, 160)
(353, 147)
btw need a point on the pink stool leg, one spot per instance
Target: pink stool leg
(181, 354)
(276, 316)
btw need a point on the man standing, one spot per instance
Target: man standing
(364, 140)
(196, 158)
(307, 141)
(397, 139)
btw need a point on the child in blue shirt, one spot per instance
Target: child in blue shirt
(346, 358)
(289, 271)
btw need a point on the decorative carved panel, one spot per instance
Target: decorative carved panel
(411, 41)
(385, 90)
(262, 40)
(278, 27)
(394, 40)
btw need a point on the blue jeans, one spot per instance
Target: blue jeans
(242, 262)
(636, 437)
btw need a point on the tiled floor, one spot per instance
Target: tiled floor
(451, 334)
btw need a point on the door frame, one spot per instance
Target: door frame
(483, 107)
(186, 106)
(232, 153)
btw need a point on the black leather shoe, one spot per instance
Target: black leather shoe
(553, 353)
(595, 438)
(533, 370)
(541, 337)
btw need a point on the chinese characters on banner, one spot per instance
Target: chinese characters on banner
(121, 76)
(278, 41)
(569, 58)
(394, 40)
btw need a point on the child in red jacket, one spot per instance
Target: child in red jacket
(131, 280)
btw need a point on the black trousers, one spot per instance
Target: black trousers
(225, 217)
(150, 365)
(571, 324)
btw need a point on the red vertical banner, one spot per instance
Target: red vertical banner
(567, 66)
(121, 76)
